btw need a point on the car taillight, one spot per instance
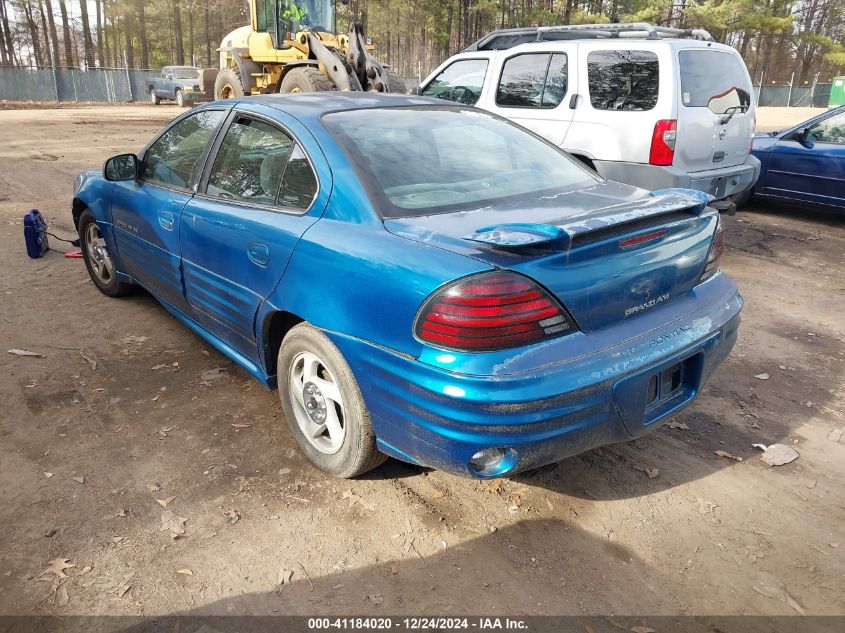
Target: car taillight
(663, 142)
(491, 311)
(717, 249)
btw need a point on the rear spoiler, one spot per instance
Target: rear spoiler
(660, 202)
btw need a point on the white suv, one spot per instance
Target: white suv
(650, 106)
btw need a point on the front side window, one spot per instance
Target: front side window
(623, 79)
(172, 159)
(713, 79)
(461, 82)
(420, 161)
(250, 162)
(536, 80)
(831, 130)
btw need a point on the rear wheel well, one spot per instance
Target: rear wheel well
(78, 207)
(277, 326)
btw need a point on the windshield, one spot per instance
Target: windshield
(298, 15)
(419, 161)
(185, 73)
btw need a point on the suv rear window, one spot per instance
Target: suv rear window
(623, 80)
(713, 79)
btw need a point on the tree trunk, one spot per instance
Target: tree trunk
(191, 35)
(48, 54)
(7, 34)
(127, 27)
(54, 36)
(207, 40)
(179, 51)
(87, 43)
(100, 57)
(68, 43)
(142, 34)
(33, 34)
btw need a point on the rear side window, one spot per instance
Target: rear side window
(713, 79)
(535, 80)
(623, 80)
(250, 162)
(460, 81)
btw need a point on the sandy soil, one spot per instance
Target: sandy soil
(119, 419)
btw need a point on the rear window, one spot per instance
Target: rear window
(623, 80)
(420, 161)
(713, 79)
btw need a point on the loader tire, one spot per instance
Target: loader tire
(395, 83)
(228, 84)
(306, 79)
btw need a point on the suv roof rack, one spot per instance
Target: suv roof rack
(508, 38)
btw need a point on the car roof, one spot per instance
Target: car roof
(313, 105)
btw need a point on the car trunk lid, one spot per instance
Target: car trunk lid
(608, 253)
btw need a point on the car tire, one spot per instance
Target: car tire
(743, 197)
(323, 404)
(154, 100)
(395, 83)
(180, 98)
(97, 260)
(306, 79)
(228, 84)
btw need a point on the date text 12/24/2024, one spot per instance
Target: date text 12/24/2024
(417, 624)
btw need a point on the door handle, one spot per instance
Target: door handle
(166, 220)
(258, 254)
(573, 101)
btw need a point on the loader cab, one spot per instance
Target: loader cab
(279, 18)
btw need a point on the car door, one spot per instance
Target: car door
(809, 164)
(532, 89)
(259, 194)
(146, 211)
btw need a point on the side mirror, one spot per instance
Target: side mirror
(416, 91)
(800, 135)
(122, 167)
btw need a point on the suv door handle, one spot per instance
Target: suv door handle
(573, 101)
(166, 220)
(258, 254)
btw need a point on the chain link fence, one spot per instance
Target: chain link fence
(112, 85)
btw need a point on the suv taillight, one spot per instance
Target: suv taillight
(663, 142)
(491, 311)
(717, 249)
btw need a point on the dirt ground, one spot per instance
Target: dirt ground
(130, 426)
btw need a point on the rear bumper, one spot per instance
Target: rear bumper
(433, 417)
(721, 182)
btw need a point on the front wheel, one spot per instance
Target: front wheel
(98, 261)
(154, 100)
(306, 79)
(324, 406)
(180, 98)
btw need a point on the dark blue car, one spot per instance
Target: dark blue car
(805, 163)
(420, 280)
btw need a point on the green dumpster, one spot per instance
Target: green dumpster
(837, 92)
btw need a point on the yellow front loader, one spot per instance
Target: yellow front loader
(292, 46)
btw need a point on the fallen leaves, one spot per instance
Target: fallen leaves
(185, 572)
(79, 480)
(57, 567)
(173, 523)
(285, 577)
(240, 425)
(835, 435)
(778, 592)
(164, 502)
(232, 516)
(763, 376)
(674, 424)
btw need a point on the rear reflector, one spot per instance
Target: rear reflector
(663, 142)
(640, 239)
(491, 311)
